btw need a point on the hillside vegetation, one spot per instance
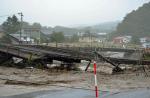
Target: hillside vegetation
(136, 23)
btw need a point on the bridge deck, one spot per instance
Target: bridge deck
(62, 54)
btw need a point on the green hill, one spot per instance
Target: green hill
(136, 23)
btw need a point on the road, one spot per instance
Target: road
(78, 93)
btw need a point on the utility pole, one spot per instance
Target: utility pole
(21, 23)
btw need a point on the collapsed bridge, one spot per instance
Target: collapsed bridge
(37, 54)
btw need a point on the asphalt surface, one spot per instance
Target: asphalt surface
(78, 93)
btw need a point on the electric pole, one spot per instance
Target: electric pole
(21, 23)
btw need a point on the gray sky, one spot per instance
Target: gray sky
(69, 12)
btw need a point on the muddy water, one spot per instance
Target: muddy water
(144, 93)
(65, 93)
(71, 93)
(78, 93)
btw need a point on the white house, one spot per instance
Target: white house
(92, 37)
(122, 39)
(127, 39)
(145, 41)
(146, 45)
(24, 38)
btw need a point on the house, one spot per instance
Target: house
(122, 39)
(80, 33)
(92, 37)
(29, 35)
(102, 36)
(102, 33)
(146, 45)
(25, 39)
(34, 33)
(144, 39)
(118, 40)
(145, 42)
(88, 39)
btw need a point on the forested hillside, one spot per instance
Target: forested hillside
(136, 23)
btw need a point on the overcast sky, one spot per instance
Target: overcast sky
(69, 12)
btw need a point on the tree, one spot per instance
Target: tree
(57, 37)
(136, 23)
(36, 25)
(87, 33)
(25, 24)
(74, 38)
(135, 40)
(11, 25)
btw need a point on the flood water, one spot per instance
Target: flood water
(72, 93)
(78, 93)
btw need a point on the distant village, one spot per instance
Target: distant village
(32, 35)
(144, 41)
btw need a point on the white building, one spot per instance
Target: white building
(146, 45)
(92, 37)
(24, 38)
(122, 39)
(127, 39)
(145, 41)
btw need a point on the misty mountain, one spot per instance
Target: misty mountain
(106, 27)
(66, 30)
(103, 27)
